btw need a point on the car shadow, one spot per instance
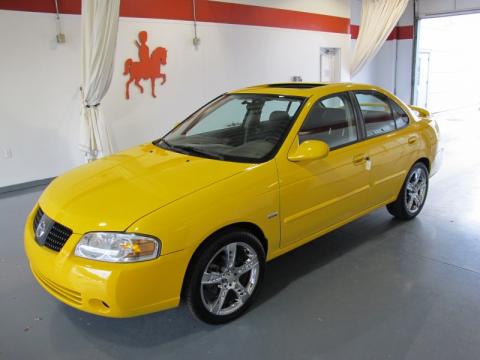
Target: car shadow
(164, 327)
(283, 271)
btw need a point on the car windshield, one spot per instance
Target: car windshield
(236, 127)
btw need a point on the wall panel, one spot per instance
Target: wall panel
(39, 97)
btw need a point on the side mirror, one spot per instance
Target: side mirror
(309, 150)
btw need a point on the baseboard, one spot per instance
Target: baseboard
(25, 185)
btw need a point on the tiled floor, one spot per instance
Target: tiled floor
(374, 289)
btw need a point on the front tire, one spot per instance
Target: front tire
(225, 277)
(412, 197)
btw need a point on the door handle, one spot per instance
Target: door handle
(360, 159)
(412, 140)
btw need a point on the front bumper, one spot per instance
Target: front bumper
(113, 290)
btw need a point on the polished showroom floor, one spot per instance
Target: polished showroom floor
(374, 289)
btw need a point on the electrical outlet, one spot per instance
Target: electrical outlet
(7, 153)
(61, 38)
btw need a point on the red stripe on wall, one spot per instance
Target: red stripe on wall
(354, 30)
(207, 11)
(212, 11)
(66, 7)
(398, 33)
(405, 32)
(159, 9)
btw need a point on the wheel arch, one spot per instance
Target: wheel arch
(245, 226)
(425, 161)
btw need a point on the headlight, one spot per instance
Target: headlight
(117, 247)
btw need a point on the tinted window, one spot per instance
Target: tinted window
(376, 112)
(400, 116)
(330, 120)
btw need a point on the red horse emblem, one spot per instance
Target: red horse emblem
(148, 67)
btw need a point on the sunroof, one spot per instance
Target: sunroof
(295, 85)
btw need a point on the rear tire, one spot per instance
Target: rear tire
(412, 197)
(225, 277)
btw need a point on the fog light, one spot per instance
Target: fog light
(99, 305)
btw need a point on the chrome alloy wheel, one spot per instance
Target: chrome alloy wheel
(229, 278)
(416, 190)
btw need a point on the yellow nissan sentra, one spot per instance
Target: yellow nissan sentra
(250, 176)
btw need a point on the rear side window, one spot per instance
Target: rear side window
(330, 120)
(376, 113)
(400, 116)
(290, 107)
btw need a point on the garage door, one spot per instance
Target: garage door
(428, 8)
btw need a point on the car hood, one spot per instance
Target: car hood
(111, 193)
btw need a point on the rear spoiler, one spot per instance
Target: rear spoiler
(420, 111)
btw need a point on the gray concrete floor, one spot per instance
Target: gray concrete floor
(374, 289)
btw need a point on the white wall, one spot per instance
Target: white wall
(39, 99)
(381, 71)
(404, 70)
(229, 57)
(391, 68)
(355, 11)
(38, 96)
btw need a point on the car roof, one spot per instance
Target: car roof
(306, 89)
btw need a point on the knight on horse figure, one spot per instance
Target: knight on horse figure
(148, 67)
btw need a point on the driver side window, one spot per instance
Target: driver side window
(330, 120)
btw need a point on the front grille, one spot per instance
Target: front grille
(37, 218)
(56, 234)
(57, 237)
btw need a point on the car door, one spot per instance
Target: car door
(317, 195)
(389, 143)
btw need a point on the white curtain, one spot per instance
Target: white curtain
(99, 38)
(379, 18)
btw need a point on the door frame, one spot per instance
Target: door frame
(325, 51)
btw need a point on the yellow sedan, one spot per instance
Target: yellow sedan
(196, 214)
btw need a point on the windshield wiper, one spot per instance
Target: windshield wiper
(188, 149)
(195, 150)
(165, 142)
